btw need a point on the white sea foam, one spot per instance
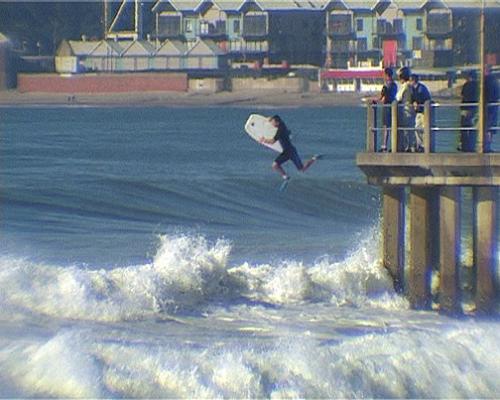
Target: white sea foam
(433, 361)
(187, 273)
(59, 367)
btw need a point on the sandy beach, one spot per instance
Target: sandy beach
(247, 98)
(258, 98)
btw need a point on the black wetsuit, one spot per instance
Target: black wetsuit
(289, 150)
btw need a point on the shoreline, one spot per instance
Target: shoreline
(251, 98)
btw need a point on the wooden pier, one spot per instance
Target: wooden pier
(422, 212)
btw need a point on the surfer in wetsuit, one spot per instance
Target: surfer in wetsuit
(289, 151)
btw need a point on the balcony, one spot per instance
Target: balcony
(439, 31)
(169, 27)
(254, 27)
(213, 30)
(388, 29)
(340, 27)
(343, 47)
(438, 26)
(253, 35)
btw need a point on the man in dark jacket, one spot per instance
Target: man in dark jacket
(491, 96)
(387, 96)
(469, 94)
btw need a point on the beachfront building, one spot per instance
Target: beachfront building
(247, 30)
(466, 17)
(323, 33)
(138, 55)
(403, 32)
(428, 31)
(350, 30)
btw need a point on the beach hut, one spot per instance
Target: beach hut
(105, 56)
(205, 54)
(71, 55)
(137, 56)
(65, 60)
(170, 55)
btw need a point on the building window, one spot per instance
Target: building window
(188, 26)
(419, 24)
(254, 25)
(439, 23)
(340, 24)
(439, 44)
(362, 44)
(375, 43)
(236, 26)
(359, 25)
(402, 44)
(398, 26)
(417, 43)
(341, 46)
(169, 25)
(381, 26)
(204, 27)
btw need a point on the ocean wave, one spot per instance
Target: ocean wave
(228, 201)
(188, 273)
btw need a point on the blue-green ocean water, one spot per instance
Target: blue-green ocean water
(147, 252)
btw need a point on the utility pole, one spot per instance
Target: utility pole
(105, 18)
(482, 105)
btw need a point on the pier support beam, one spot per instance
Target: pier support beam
(485, 245)
(393, 233)
(449, 257)
(424, 237)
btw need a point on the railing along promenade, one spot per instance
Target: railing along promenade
(435, 191)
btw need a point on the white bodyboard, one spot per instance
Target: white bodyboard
(258, 126)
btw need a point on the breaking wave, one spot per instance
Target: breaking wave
(188, 273)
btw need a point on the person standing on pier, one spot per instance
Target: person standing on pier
(469, 94)
(491, 97)
(387, 96)
(406, 112)
(420, 95)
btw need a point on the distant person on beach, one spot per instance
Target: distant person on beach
(387, 96)
(490, 96)
(469, 94)
(406, 112)
(289, 151)
(420, 96)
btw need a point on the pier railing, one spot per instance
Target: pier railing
(430, 130)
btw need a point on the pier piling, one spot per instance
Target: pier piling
(393, 233)
(485, 245)
(449, 255)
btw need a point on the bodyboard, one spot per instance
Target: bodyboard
(258, 126)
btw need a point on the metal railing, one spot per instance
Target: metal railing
(395, 135)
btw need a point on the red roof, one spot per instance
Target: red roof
(352, 74)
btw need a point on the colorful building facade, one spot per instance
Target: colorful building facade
(322, 33)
